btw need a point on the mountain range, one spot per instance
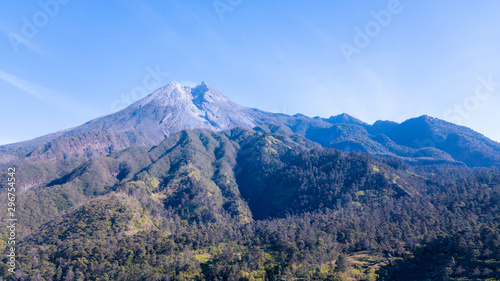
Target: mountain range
(420, 141)
(185, 184)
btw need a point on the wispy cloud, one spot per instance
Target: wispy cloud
(49, 96)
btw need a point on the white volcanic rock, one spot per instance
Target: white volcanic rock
(173, 108)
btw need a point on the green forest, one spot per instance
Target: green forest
(260, 204)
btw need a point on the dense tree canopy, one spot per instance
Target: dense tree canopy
(259, 205)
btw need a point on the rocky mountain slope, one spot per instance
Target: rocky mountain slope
(172, 108)
(148, 121)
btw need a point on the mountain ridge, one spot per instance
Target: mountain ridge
(172, 108)
(278, 199)
(249, 203)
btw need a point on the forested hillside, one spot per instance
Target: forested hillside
(260, 204)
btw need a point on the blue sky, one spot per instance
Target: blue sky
(64, 62)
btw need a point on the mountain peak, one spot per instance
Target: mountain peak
(207, 93)
(425, 117)
(344, 118)
(174, 92)
(175, 107)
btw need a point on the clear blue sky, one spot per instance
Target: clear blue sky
(64, 63)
